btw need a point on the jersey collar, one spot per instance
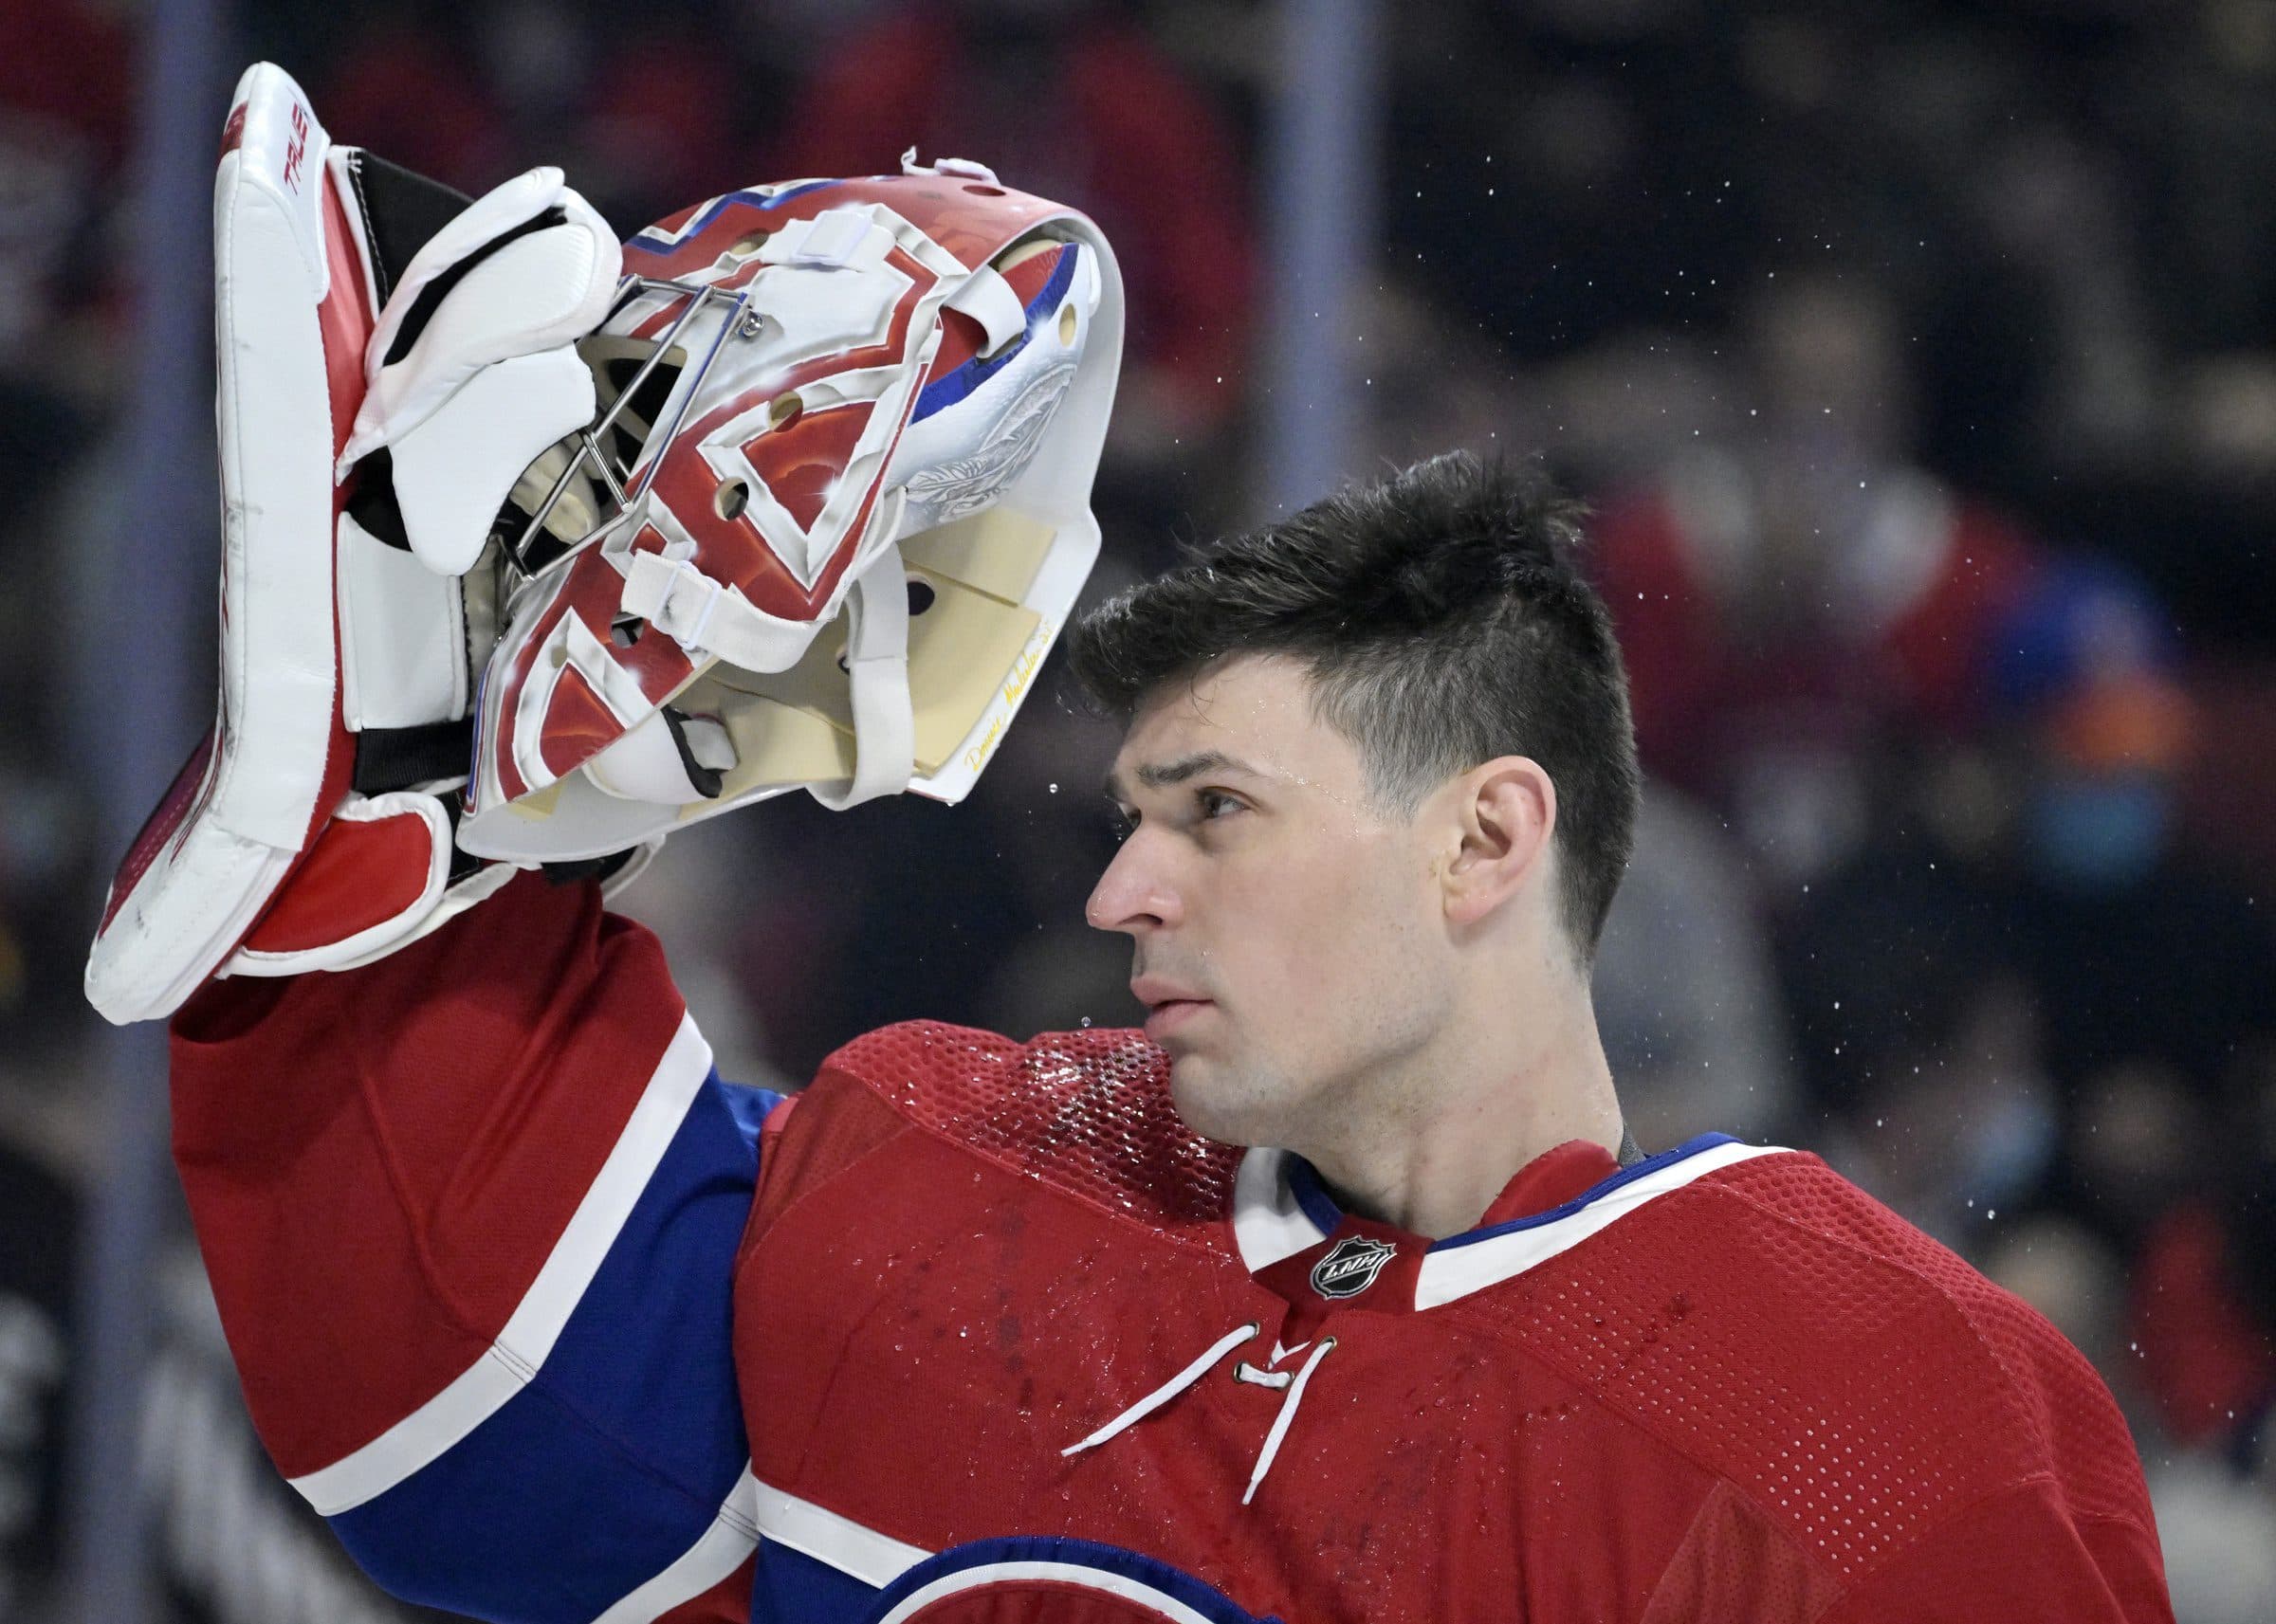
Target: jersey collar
(1281, 1209)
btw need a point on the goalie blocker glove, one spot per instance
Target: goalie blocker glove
(390, 358)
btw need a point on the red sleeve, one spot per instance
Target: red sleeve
(467, 1211)
(383, 1157)
(2019, 1556)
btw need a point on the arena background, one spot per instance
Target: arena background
(1919, 361)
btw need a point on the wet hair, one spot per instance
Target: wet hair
(1443, 621)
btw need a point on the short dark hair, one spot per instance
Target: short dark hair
(1443, 620)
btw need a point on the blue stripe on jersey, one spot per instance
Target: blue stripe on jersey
(1317, 1205)
(1311, 1195)
(791, 1587)
(1590, 1197)
(636, 1409)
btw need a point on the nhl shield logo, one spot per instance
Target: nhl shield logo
(1351, 1266)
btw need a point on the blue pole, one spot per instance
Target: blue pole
(151, 591)
(1323, 186)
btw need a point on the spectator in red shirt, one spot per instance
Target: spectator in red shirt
(1071, 103)
(1804, 585)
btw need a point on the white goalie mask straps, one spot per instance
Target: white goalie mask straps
(885, 734)
(702, 615)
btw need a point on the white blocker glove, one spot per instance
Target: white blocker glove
(391, 358)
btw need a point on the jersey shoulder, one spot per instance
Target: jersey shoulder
(1088, 1113)
(1824, 1238)
(1789, 1333)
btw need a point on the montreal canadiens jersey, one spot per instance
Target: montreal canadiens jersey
(553, 1325)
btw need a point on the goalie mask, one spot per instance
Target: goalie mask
(831, 515)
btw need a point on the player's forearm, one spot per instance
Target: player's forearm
(342, 1137)
(427, 1192)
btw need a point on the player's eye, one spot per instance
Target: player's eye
(1217, 803)
(1124, 821)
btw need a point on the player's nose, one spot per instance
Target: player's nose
(1134, 894)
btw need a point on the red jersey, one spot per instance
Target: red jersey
(553, 1323)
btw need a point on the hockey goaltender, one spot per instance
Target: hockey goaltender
(1338, 1293)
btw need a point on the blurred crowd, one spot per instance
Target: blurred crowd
(1917, 359)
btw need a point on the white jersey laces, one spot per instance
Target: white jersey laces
(1200, 1367)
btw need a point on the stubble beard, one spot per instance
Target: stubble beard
(1229, 1103)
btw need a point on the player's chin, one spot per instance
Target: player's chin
(1208, 1102)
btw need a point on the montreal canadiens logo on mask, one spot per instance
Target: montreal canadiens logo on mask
(1351, 1266)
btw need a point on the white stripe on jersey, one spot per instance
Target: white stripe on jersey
(508, 1363)
(733, 1535)
(1456, 1271)
(874, 1559)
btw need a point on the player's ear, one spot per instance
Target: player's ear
(1504, 811)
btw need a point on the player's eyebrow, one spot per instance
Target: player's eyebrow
(1160, 774)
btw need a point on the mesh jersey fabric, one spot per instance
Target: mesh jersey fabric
(1086, 1112)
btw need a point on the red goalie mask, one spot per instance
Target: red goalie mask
(830, 518)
